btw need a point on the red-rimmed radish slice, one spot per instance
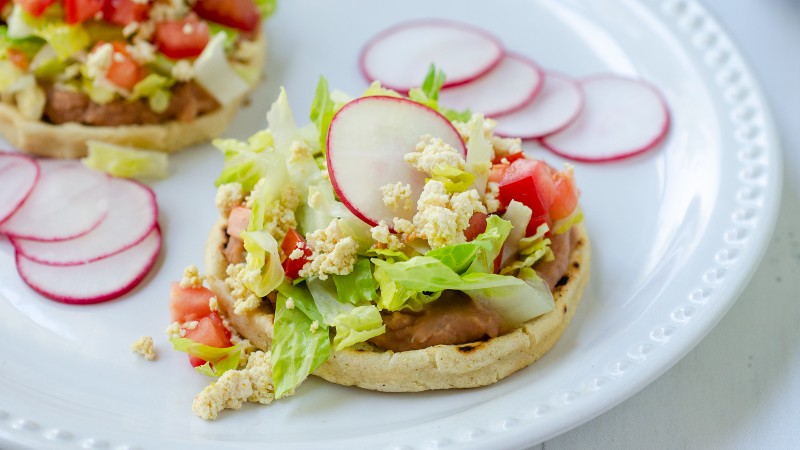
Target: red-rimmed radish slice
(94, 282)
(622, 117)
(558, 104)
(131, 216)
(68, 200)
(366, 143)
(18, 176)
(400, 56)
(506, 88)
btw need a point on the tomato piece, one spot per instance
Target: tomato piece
(123, 12)
(240, 14)
(18, 58)
(566, 198)
(497, 172)
(76, 11)
(34, 7)
(291, 267)
(209, 331)
(190, 303)
(529, 182)
(123, 70)
(185, 38)
(510, 158)
(238, 221)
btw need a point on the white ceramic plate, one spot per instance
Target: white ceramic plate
(676, 232)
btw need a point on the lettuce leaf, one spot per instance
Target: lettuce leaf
(359, 325)
(517, 303)
(531, 250)
(376, 89)
(358, 286)
(428, 92)
(65, 39)
(156, 89)
(427, 274)
(491, 241)
(479, 153)
(126, 162)
(322, 110)
(300, 344)
(246, 162)
(519, 215)
(266, 193)
(301, 166)
(218, 360)
(263, 271)
(454, 180)
(266, 7)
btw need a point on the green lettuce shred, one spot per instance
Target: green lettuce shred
(358, 286)
(126, 162)
(218, 360)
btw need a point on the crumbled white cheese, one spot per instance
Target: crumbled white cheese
(246, 50)
(144, 347)
(244, 300)
(332, 252)
(314, 326)
(465, 128)
(506, 146)
(383, 235)
(174, 330)
(190, 325)
(142, 52)
(168, 10)
(432, 152)
(441, 218)
(290, 303)
(229, 196)
(191, 278)
(397, 196)
(183, 70)
(297, 253)
(252, 384)
(280, 214)
(491, 199)
(99, 60)
(130, 29)
(299, 151)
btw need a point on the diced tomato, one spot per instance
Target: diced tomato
(123, 71)
(76, 11)
(3, 4)
(529, 182)
(187, 304)
(238, 221)
(510, 158)
(566, 198)
(123, 12)
(185, 38)
(18, 58)
(34, 7)
(209, 331)
(291, 267)
(240, 14)
(498, 170)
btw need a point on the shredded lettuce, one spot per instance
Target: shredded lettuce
(479, 153)
(358, 286)
(532, 249)
(454, 179)
(266, 7)
(247, 162)
(375, 89)
(126, 162)
(9, 75)
(517, 303)
(322, 110)
(263, 271)
(29, 45)
(266, 195)
(565, 224)
(519, 215)
(428, 93)
(218, 360)
(359, 325)
(65, 39)
(300, 343)
(290, 142)
(495, 236)
(387, 254)
(156, 89)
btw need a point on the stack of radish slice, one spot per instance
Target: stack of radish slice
(602, 118)
(79, 235)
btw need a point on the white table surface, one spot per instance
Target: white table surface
(740, 387)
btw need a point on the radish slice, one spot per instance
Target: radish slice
(558, 104)
(366, 143)
(131, 217)
(401, 56)
(506, 88)
(68, 201)
(93, 282)
(622, 117)
(18, 176)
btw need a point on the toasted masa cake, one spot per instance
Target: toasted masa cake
(439, 367)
